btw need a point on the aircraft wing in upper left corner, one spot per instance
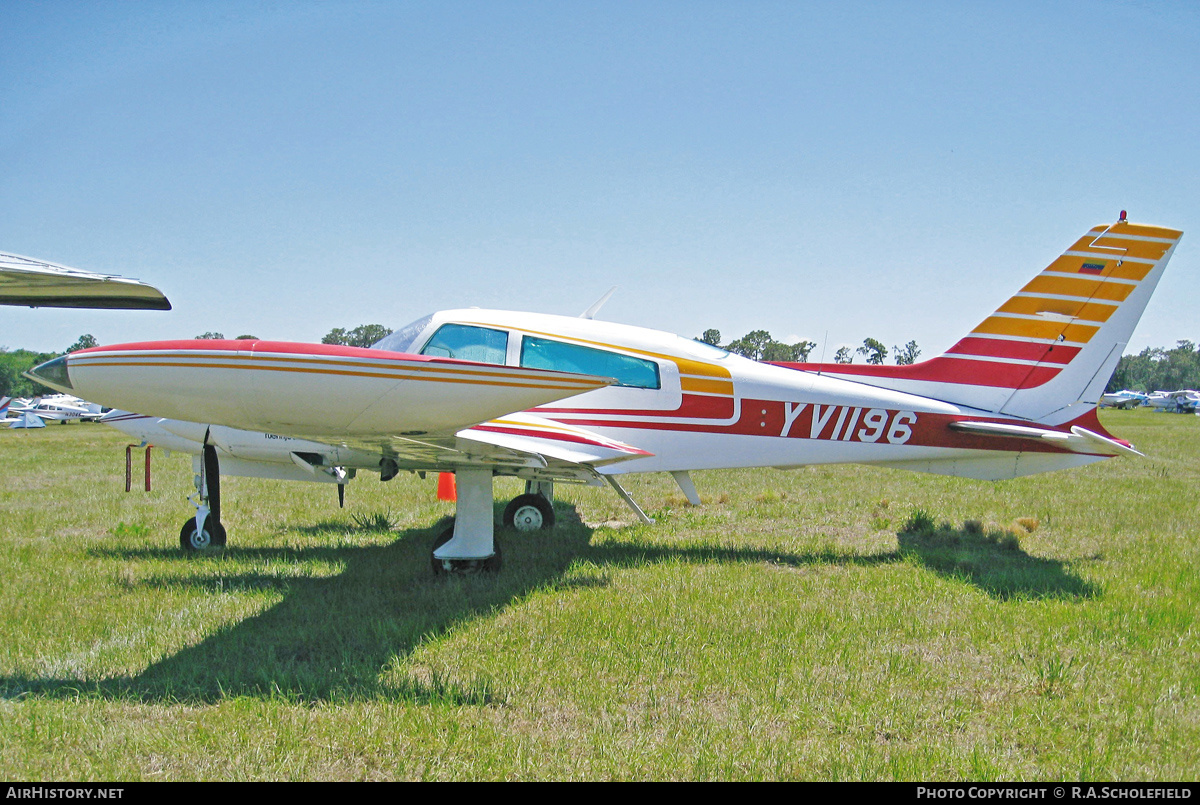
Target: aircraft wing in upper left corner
(37, 283)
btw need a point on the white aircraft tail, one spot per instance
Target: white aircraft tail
(1047, 353)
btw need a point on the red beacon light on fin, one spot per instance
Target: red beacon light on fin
(1122, 219)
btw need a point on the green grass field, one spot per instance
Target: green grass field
(788, 629)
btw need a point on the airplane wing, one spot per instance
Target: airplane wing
(521, 444)
(402, 411)
(37, 283)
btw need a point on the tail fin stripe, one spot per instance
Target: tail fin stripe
(1129, 270)
(1098, 255)
(994, 359)
(1133, 250)
(1090, 288)
(1075, 333)
(1016, 350)
(1054, 297)
(1146, 234)
(1081, 310)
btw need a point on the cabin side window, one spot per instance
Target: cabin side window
(462, 341)
(544, 353)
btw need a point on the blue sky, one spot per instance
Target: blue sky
(829, 171)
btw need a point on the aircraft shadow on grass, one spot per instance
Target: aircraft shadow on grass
(331, 638)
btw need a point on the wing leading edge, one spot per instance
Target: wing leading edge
(37, 283)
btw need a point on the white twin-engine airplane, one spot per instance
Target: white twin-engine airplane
(551, 398)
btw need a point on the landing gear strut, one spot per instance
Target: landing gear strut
(469, 546)
(205, 531)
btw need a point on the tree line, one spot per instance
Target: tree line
(1158, 369)
(759, 345)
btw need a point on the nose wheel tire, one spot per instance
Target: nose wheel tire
(529, 513)
(463, 567)
(192, 540)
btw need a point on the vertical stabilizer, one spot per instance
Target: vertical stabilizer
(1047, 353)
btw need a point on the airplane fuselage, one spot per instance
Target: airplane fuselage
(548, 398)
(704, 408)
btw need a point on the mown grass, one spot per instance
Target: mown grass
(794, 627)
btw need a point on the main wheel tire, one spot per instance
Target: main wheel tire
(529, 513)
(463, 567)
(192, 540)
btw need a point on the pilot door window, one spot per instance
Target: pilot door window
(462, 341)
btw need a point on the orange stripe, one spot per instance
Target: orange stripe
(1078, 286)
(1074, 265)
(1085, 241)
(1135, 248)
(695, 367)
(1028, 328)
(1030, 305)
(1146, 231)
(706, 386)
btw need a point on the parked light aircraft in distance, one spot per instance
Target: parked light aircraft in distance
(1122, 399)
(58, 408)
(37, 283)
(558, 399)
(1184, 401)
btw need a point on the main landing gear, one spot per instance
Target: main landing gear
(470, 545)
(205, 531)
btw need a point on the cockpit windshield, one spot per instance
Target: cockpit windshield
(402, 340)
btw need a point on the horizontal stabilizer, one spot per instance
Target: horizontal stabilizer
(1079, 440)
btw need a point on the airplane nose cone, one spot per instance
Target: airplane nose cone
(53, 374)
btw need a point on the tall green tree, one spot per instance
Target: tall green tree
(364, 335)
(12, 364)
(873, 350)
(907, 355)
(751, 345)
(85, 341)
(794, 353)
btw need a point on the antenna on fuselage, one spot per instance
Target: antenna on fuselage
(591, 312)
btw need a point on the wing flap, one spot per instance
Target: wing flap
(528, 433)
